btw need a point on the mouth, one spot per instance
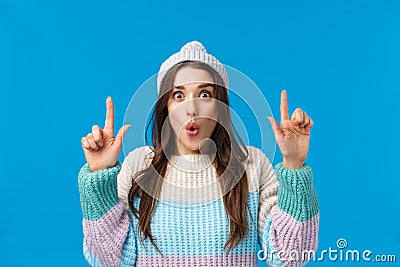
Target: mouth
(192, 129)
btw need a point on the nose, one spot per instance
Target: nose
(191, 108)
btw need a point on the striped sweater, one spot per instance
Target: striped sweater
(190, 227)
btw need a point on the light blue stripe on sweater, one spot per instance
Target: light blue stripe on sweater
(268, 254)
(189, 233)
(197, 230)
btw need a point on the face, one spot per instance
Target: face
(192, 108)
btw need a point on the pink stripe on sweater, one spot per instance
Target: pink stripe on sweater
(106, 236)
(292, 238)
(244, 260)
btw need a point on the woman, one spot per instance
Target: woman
(197, 197)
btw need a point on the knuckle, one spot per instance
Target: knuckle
(87, 148)
(94, 147)
(96, 129)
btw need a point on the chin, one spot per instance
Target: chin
(192, 144)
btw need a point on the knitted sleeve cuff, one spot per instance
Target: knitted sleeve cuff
(296, 194)
(98, 190)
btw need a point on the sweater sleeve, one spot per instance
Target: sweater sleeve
(109, 236)
(288, 231)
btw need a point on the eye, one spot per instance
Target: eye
(205, 94)
(177, 95)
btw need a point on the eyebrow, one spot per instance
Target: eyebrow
(203, 85)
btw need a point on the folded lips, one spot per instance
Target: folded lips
(192, 126)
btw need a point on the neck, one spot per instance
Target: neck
(205, 148)
(190, 152)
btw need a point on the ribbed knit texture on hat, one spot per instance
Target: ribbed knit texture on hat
(193, 51)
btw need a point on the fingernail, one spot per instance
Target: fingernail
(109, 97)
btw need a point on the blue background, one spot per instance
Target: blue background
(59, 60)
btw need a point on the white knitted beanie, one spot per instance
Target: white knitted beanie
(193, 51)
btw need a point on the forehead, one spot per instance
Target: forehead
(189, 75)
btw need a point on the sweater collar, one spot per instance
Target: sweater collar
(192, 162)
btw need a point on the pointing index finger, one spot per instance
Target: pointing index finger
(109, 124)
(284, 106)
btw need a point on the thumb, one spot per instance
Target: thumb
(275, 127)
(121, 133)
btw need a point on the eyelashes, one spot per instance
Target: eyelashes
(178, 95)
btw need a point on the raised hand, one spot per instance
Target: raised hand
(100, 147)
(293, 135)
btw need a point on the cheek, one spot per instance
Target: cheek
(174, 122)
(209, 110)
(210, 115)
(175, 118)
(211, 125)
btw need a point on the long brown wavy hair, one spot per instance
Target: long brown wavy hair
(229, 159)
